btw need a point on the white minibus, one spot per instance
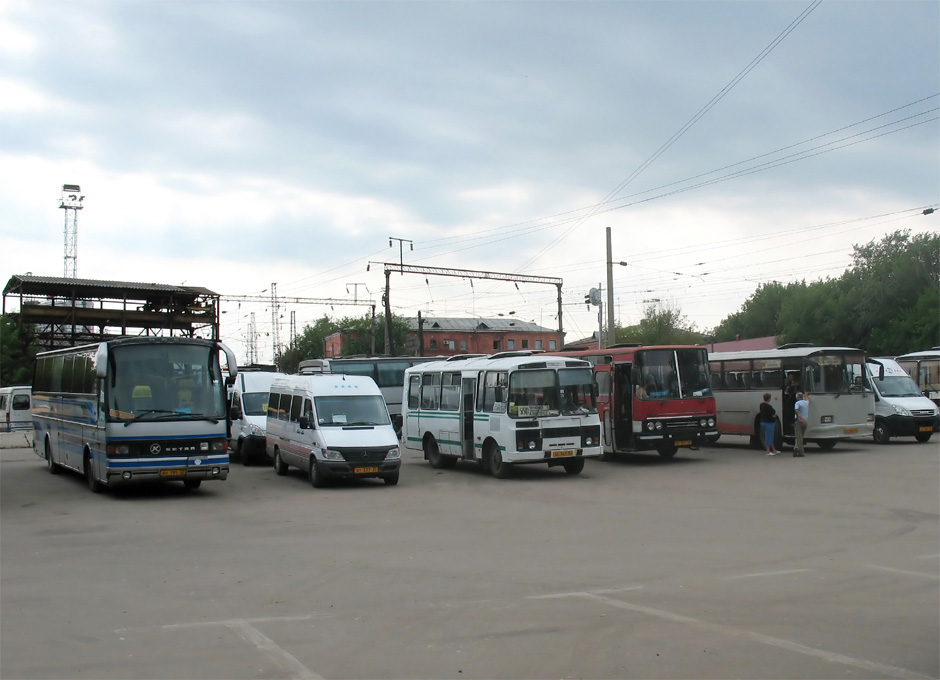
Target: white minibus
(331, 426)
(901, 409)
(15, 408)
(248, 411)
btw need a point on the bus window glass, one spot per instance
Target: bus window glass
(391, 373)
(354, 367)
(737, 375)
(532, 393)
(273, 401)
(358, 410)
(295, 405)
(602, 380)
(55, 382)
(430, 390)
(577, 394)
(450, 391)
(494, 387)
(658, 378)
(414, 389)
(693, 372)
(256, 403)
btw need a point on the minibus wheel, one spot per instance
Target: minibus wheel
(51, 465)
(923, 437)
(392, 479)
(574, 467)
(242, 451)
(880, 433)
(316, 478)
(494, 461)
(280, 467)
(192, 483)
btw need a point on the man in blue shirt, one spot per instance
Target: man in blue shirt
(801, 411)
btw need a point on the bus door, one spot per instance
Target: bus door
(622, 405)
(468, 389)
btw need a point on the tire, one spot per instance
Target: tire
(574, 467)
(827, 444)
(667, 450)
(243, 453)
(192, 483)
(51, 465)
(280, 467)
(433, 453)
(316, 478)
(391, 480)
(880, 433)
(494, 462)
(93, 484)
(923, 437)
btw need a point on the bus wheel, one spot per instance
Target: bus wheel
(316, 478)
(667, 450)
(923, 437)
(280, 467)
(93, 483)
(574, 467)
(827, 444)
(51, 465)
(392, 479)
(243, 452)
(494, 461)
(192, 483)
(433, 453)
(880, 433)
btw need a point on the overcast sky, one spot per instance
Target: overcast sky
(232, 145)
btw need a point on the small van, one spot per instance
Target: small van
(331, 426)
(901, 409)
(248, 411)
(16, 408)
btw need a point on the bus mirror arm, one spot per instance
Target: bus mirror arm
(101, 361)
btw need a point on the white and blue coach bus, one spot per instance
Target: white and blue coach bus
(503, 410)
(134, 409)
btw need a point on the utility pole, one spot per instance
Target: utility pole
(275, 324)
(611, 330)
(401, 242)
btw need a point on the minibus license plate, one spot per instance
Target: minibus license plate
(365, 470)
(172, 473)
(850, 430)
(562, 454)
(684, 442)
(928, 428)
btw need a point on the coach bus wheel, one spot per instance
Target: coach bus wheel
(494, 460)
(192, 483)
(392, 479)
(243, 452)
(316, 478)
(880, 433)
(280, 467)
(93, 483)
(827, 444)
(574, 467)
(923, 437)
(50, 464)
(433, 453)
(667, 449)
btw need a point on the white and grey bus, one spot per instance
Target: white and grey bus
(134, 409)
(841, 403)
(924, 368)
(502, 410)
(387, 372)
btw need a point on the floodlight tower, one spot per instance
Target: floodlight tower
(71, 203)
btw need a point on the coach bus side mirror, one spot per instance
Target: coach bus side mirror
(101, 361)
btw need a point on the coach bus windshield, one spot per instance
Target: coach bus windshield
(671, 373)
(836, 373)
(547, 392)
(164, 382)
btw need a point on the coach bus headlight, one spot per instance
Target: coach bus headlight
(589, 441)
(711, 422)
(393, 454)
(218, 445)
(659, 425)
(216, 472)
(126, 476)
(119, 449)
(330, 454)
(702, 422)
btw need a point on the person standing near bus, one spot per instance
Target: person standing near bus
(801, 411)
(768, 418)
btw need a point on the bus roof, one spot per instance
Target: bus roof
(923, 354)
(777, 353)
(504, 360)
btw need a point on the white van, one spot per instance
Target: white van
(248, 411)
(16, 408)
(332, 426)
(901, 409)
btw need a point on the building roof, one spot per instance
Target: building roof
(54, 285)
(477, 324)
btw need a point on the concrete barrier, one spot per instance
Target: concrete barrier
(17, 439)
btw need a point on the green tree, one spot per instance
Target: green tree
(759, 315)
(17, 352)
(661, 325)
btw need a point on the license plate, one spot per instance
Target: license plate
(562, 454)
(850, 430)
(172, 473)
(685, 442)
(365, 470)
(928, 428)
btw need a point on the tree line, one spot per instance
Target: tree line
(887, 303)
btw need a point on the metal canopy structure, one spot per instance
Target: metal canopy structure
(68, 311)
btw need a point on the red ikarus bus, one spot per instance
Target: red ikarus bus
(652, 398)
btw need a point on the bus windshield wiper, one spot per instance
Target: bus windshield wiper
(145, 413)
(164, 414)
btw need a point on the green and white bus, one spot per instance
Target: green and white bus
(134, 409)
(513, 408)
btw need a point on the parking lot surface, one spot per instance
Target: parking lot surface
(719, 563)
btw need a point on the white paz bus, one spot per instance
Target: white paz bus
(841, 402)
(502, 410)
(134, 409)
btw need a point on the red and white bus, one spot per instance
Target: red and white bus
(652, 398)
